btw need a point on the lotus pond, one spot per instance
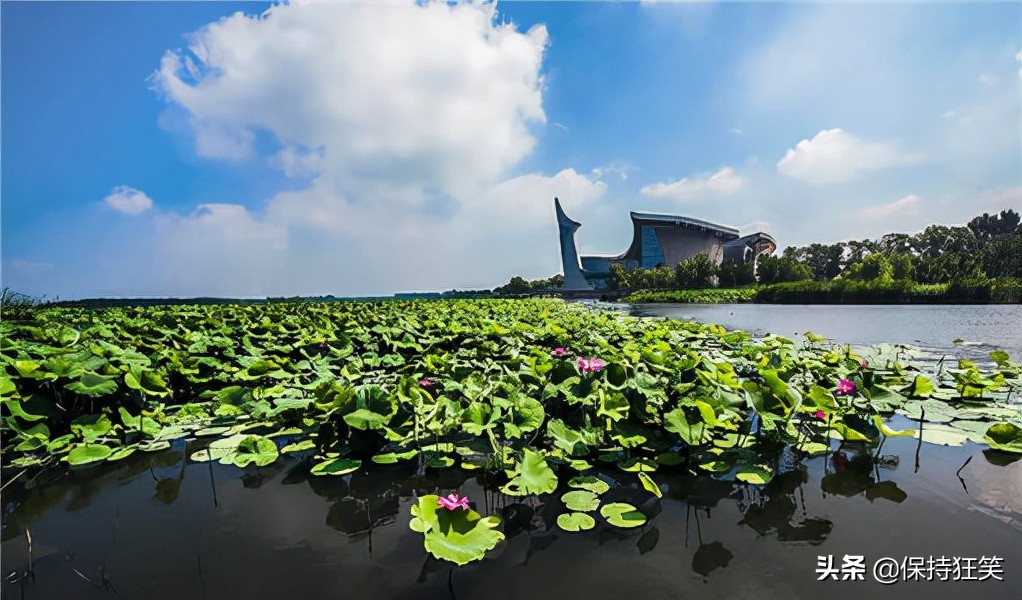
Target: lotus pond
(502, 449)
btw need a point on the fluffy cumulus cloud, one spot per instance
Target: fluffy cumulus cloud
(128, 200)
(430, 96)
(402, 122)
(834, 155)
(724, 181)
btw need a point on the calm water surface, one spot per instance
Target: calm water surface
(158, 527)
(983, 327)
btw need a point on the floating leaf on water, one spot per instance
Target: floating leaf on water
(336, 466)
(757, 475)
(622, 514)
(392, 457)
(943, 435)
(575, 521)
(259, 450)
(638, 465)
(122, 452)
(1006, 437)
(813, 448)
(650, 485)
(589, 482)
(581, 500)
(87, 453)
(459, 536)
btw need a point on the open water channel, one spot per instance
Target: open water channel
(158, 527)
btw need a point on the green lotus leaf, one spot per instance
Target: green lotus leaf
(921, 387)
(93, 385)
(138, 423)
(88, 453)
(1006, 437)
(695, 434)
(255, 449)
(813, 448)
(933, 411)
(575, 521)
(460, 536)
(390, 458)
(650, 485)
(298, 446)
(90, 427)
(622, 514)
(533, 476)
(638, 464)
(147, 382)
(336, 466)
(121, 453)
(581, 500)
(944, 435)
(366, 419)
(589, 482)
(755, 474)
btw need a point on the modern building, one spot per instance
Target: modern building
(656, 240)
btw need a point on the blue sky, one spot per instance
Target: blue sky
(180, 149)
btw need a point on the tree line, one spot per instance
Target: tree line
(988, 247)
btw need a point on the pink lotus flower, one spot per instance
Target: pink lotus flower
(591, 365)
(820, 415)
(845, 387)
(425, 383)
(559, 351)
(453, 502)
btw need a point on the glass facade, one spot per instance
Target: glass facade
(652, 254)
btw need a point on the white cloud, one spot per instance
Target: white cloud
(908, 204)
(128, 200)
(834, 155)
(724, 181)
(430, 96)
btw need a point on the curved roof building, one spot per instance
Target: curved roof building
(656, 240)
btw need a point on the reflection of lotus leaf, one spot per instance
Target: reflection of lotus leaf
(622, 514)
(709, 557)
(460, 536)
(575, 521)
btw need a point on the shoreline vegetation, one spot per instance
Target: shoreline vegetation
(993, 291)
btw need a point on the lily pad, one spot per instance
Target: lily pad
(581, 500)
(336, 466)
(459, 536)
(575, 521)
(622, 514)
(589, 482)
(88, 453)
(255, 449)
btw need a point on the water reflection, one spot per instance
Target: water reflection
(698, 525)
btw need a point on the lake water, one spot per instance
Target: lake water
(157, 527)
(983, 327)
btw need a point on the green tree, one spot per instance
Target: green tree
(734, 274)
(696, 271)
(873, 267)
(778, 269)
